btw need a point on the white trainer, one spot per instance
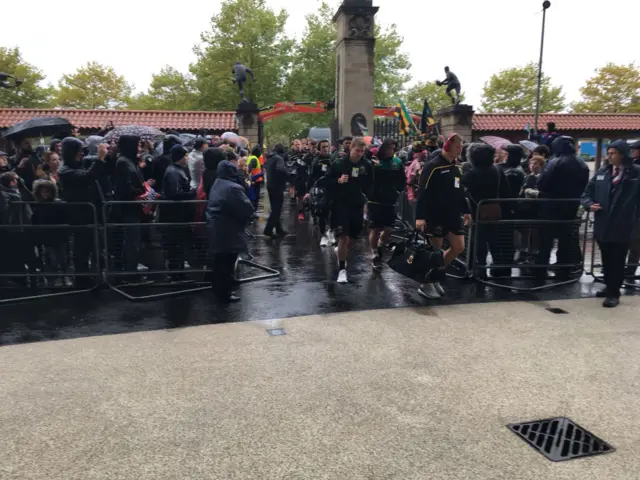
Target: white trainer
(429, 291)
(342, 276)
(324, 241)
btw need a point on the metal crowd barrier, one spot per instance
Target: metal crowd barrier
(595, 268)
(166, 247)
(48, 249)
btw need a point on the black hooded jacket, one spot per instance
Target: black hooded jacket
(319, 169)
(513, 170)
(566, 175)
(128, 178)
(212, 158)
(78, 184)
(482, 179)
(160, 164)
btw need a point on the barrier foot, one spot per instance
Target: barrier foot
(271, 273)
(536, 288)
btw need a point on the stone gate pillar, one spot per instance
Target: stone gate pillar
(248, 122)
(354, 64)
(458, 119)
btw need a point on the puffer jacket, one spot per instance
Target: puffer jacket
(513, 171)
(483, 180)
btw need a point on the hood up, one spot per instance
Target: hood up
(71, 146)
(514, 155)
(40, 185)
(212, 158)
(480, 154)
(563, 146)
(227, 170)
(128, 146)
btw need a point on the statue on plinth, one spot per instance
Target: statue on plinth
(239, 72)
(452, 83)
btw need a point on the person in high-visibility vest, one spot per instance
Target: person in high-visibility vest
(256, 173)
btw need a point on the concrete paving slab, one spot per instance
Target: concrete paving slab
(388, 394)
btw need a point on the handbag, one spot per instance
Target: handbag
(415, 260)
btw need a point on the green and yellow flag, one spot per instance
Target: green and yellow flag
(406, 123)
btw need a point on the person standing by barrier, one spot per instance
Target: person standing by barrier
(388, 182)
(613, 195)
(228, 211)
(634, 250)
(256, 175)
(441, 205)
(277, 176)
(80, 185)
(177, 188)
(563, 178)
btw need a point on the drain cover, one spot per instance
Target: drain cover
(560, 439)
(274, 332)
(557, 311)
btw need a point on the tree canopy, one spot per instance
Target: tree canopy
(93, 86)
(514, 91)
(31, 94)
(613, 89)
(169, 90)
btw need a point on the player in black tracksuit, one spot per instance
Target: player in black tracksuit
(320, 167)
(441, 206)
(351, 178)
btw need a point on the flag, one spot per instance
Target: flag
(427, 119)
(406, 123)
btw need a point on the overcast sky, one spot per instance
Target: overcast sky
(475, 38)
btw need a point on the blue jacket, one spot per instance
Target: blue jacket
(620, 212)
(228, 211)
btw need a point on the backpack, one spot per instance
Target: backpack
(318, 199)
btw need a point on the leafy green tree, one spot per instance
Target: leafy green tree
(613, 89)
(31, 94)
(514, 91)
(93, 86)
(435, 95)
(169, 90)
(249, 32)
(391, 71)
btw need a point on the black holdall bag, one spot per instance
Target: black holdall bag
(414, 259)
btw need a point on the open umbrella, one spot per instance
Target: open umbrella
(38, 127)
(495, 142)
(188, 140)
(145, 133)
(528, 144)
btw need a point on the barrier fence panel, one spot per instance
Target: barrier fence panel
(160, 244)
(49, 249)
(631, 269)
(520, 242)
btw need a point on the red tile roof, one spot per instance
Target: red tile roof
(96, 119)
(565, 122)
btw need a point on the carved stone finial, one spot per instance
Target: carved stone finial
(360, 27)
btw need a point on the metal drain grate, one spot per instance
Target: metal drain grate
(560, 439)
(274, 332)
(557, 311)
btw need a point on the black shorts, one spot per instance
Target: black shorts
(441, 231)
(381, 216)
(455, 86)
(348, 221)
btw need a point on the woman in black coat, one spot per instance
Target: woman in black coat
(228, 211)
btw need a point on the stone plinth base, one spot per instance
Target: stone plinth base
(456, 119)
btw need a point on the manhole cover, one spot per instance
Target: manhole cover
(560, 439)
(274, 332)
(557, 311)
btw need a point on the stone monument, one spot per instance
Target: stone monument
(456, 118)
(354, 66)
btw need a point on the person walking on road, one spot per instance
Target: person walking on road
(613, 195)
(277, 176)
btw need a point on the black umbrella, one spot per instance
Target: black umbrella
(145, 133)
(38, 127)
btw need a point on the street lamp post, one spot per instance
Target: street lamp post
(545, 6)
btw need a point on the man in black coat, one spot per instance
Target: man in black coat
(277, 176)
(80, 185)
(613, 195)
(177, 188)
(160, 164)
(129, 186)
(483, 180)
(564, 177)
(228, 211)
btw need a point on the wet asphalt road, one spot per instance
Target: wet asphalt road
(306, 286)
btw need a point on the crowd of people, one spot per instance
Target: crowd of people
(444, 181)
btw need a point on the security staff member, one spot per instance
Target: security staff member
(440, 207)
(613, 195)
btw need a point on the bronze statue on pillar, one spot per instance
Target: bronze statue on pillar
(239, 72)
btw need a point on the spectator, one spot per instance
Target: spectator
(145, 158)
(613, 194)
(564, 177)
(160, 164)
(530, 186)
(634, 251)
(15, 249)
(212, 158)
(129, 186)
(228, 212)
(50, 169)
(277, 176)
(483, 181)
(56, 146)
(196, 161)
(256, 175)
(4, 163)
(52, 242)
(80, 185)
(27, 162)
(177, 188)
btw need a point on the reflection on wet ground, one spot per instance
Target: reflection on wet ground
(306, 286)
